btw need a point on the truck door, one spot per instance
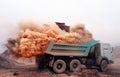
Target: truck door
(107, 51)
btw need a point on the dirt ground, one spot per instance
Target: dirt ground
(27, 68)
(32, 71)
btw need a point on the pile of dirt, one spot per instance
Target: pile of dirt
(8, 60)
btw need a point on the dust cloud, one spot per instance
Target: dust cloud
(33, 37)
(7, 30)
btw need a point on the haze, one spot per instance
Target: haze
(101, 17)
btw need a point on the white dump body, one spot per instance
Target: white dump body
(106, 51)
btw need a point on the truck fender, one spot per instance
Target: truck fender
(105, 58)
(99, 60)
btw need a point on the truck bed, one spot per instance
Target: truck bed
(59, 49)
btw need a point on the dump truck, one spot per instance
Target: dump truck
(61, 57)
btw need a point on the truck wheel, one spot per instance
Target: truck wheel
(75, 65)
(104, 66)
(59, 66)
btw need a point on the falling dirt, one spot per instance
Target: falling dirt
(34, 37)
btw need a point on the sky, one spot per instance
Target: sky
(101, 17)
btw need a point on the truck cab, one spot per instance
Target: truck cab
(107, 51)
(100, 55)
(104, 55)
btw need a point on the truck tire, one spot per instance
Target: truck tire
(103, 66)
(75, 65)
(59, 66)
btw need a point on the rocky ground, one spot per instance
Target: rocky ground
(11, 67)
(32, 71)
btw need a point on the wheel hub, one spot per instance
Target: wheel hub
(74, 65)
(59, 66)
